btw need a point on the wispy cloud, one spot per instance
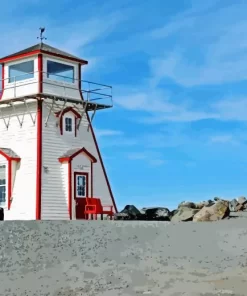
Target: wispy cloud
(220, 46)
(107, 132)
(150, 157)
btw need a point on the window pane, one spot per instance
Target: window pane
(2, 194)
(60, 72)
(2, 184)
(81, 186)
(21, 71)
(68, 124)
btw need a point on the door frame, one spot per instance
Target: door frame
(86, 174)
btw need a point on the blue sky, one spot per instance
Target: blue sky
(178, 129)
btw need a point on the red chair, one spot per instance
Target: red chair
(94, 207)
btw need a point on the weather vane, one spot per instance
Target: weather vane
(41, 37)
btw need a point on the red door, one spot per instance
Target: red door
(80, 193)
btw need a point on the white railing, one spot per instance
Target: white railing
(92, 92)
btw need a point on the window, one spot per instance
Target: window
(2, 185)
(60, 72)
(68, 124)
(21, 71)
(81, 185)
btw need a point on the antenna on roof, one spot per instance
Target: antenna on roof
(41, 37)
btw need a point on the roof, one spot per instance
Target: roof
(71, 153)
(9, 153)
(45, 48)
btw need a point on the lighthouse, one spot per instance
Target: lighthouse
(50, 161)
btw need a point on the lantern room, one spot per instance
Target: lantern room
(41, 69)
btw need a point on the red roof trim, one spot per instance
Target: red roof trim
(20, 56)
(82, 150)
(34, 52)
(9, 157)
(68, 109)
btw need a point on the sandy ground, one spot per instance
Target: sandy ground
(110, 258)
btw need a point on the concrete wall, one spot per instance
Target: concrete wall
(107, 258)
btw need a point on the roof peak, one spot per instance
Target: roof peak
(47, 49)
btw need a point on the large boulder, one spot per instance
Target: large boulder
(203, 204)
(184, 214)
(130, 212)
(156, 213)
(187, 204)
(242, 200)
(218, 211)
(233, 205)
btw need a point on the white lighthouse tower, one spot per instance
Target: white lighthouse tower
(49, 158)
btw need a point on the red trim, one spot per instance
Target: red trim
(91, 179)
(39, 160)
(70, 189)
(80, 174)
(40, 67)
(82, 150)
(67, 109)
(20, 56)
(102, 164)
(38, 51)
(9, 157)
(2, 90)
(10, 175)
(9, 182)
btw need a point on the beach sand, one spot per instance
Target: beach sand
(110, 258)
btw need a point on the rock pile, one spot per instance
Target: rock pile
(211, 210)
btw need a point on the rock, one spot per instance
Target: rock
(184, 214)
(157, 213)
(202, 204)
(218, 211)
(174, 212)
(121, 216)
(239, 207)
(233, 205)
(131, 210)
(187, 204)
(242, 200)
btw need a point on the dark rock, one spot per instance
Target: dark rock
(184, 214)
(121, 216)
(239, 207)
(218, 211)
(157, 213)
(174, 212)
(233, 205)
(131, 210)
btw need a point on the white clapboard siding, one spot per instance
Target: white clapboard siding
(23, 141)
(54, 186)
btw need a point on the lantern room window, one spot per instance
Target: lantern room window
(60, 72)
(21, 71)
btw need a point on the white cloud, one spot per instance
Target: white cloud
(107, 132)
(150, 157)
